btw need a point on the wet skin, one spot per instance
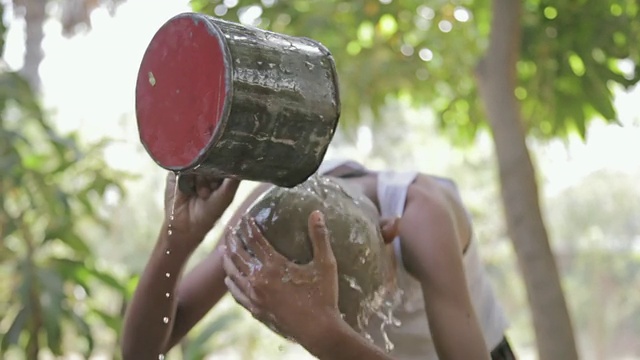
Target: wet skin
(432, 233)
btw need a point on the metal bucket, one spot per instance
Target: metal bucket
(227, 100)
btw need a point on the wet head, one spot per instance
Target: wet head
(353, 222)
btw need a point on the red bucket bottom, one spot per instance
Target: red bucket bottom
(181, 91)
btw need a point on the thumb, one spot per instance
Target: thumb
(320, 240)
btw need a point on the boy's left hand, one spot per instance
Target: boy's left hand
(290, 297)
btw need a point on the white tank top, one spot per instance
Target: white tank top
(412, 339)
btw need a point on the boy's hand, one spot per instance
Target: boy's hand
(290, 297)
(193, 213)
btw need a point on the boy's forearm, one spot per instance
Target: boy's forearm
(340, 342)
(150, 316)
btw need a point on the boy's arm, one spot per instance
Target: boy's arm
(204, 286)
(341, 342)
(432, 253)
(146, 335)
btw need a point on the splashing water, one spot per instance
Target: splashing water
(173, 205)
(254, 265)
(352, 283)
(381, 304)
(167, 252)
(386, 319)
(368, 337)
(286, 277)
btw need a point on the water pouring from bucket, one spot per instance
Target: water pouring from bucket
(222, 99)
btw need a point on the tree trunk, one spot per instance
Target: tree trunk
(496, 75)
(35, 16)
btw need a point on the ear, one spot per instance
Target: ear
(389, 227)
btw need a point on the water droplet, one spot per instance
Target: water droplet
(368, 337)
(167, 275)
(165, 320)
(170, 232)
(161, 357)
(286, 278)
(352, 283)
(388, 345)
(175, 195)
(168, 252)
(396, 322)
(167, 295)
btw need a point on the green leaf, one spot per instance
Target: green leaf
(106, 279)
(83, 330)
(113, 322)
(73, 271)
(34, 161)
(76, 243)
(16, 88)
(53, 327)
(131, 285)
(12, 335)
(196, 349)
(52, 304)
(599, 97)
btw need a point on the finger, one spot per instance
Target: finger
(238, 294)
(224, 194)
(186, 184)
(250, 235)
(228, 186)
(234, 265)
(258, 244)
(238, 254)
(215, 183)
(320, 239)
(203, 187)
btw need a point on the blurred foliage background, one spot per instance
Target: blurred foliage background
(80, 200)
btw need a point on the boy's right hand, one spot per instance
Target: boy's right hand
(191, 215)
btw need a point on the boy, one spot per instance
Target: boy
(442, 317)
(448, 309)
